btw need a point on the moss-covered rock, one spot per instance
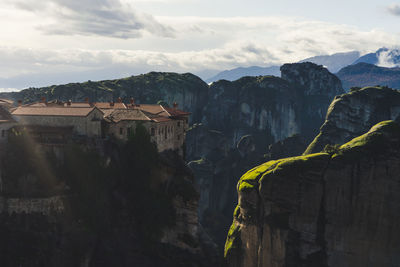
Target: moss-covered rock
(352, 114)
(312, 210)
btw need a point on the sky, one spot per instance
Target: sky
(59, 41)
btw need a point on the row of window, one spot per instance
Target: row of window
(161, 131)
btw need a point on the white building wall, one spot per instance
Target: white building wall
(89, 126)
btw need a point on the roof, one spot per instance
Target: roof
(153, 109)
(118, 115)
(78, 105)
(177, 112)
(107, 105)
(52, 111)
(115, 113)
(6, 101)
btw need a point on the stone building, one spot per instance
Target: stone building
(56, 121)
(50, 120)
(166, 129)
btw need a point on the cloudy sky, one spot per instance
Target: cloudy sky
(57, 41)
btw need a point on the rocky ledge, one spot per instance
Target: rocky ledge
(352, 114)
(335, 208)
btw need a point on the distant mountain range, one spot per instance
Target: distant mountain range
(344, 64)
(364, 74)
(336, 61)
(332, 62)
(235, 74)
(384, 57)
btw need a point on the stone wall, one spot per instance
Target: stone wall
(167, 135)
(89, 125)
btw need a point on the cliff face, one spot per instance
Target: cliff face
(326, 209)
(352, 114)
(271, 108)
(68, 205)
(315, 79)
(242, 118)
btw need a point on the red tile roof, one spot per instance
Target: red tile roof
(118, 112)
(78, 105)
(177, 112)
(106, 105)
(153, 109)
(52, 111)
(118, 115)
(6, 101)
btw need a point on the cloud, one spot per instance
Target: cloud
(389, 58)
(110, 18)
(394, 9)
(200, 44)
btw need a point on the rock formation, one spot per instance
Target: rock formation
(326, 209)
(240, 121)
(234, 122)
(102, 205)
(314, 79)
(352, 114)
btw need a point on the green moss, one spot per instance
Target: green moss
(236, 212)
(313, 144)
(295, 165)
(233, 240)
(375, 141)
(250, 179)
(199, 161)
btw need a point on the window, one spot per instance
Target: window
(179, 124)
(121, 131)
(179, 137)
(128, 132)
(152, 131)
(3, 133)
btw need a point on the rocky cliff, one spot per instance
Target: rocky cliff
(234, 122)
(351, 114)
(240, 121)
(314, 79)
(103, 205)
(326, 209)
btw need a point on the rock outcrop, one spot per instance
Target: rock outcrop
(240, 121)
(102, 205)
(352, 114)
(326, 209)
(314, 79)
